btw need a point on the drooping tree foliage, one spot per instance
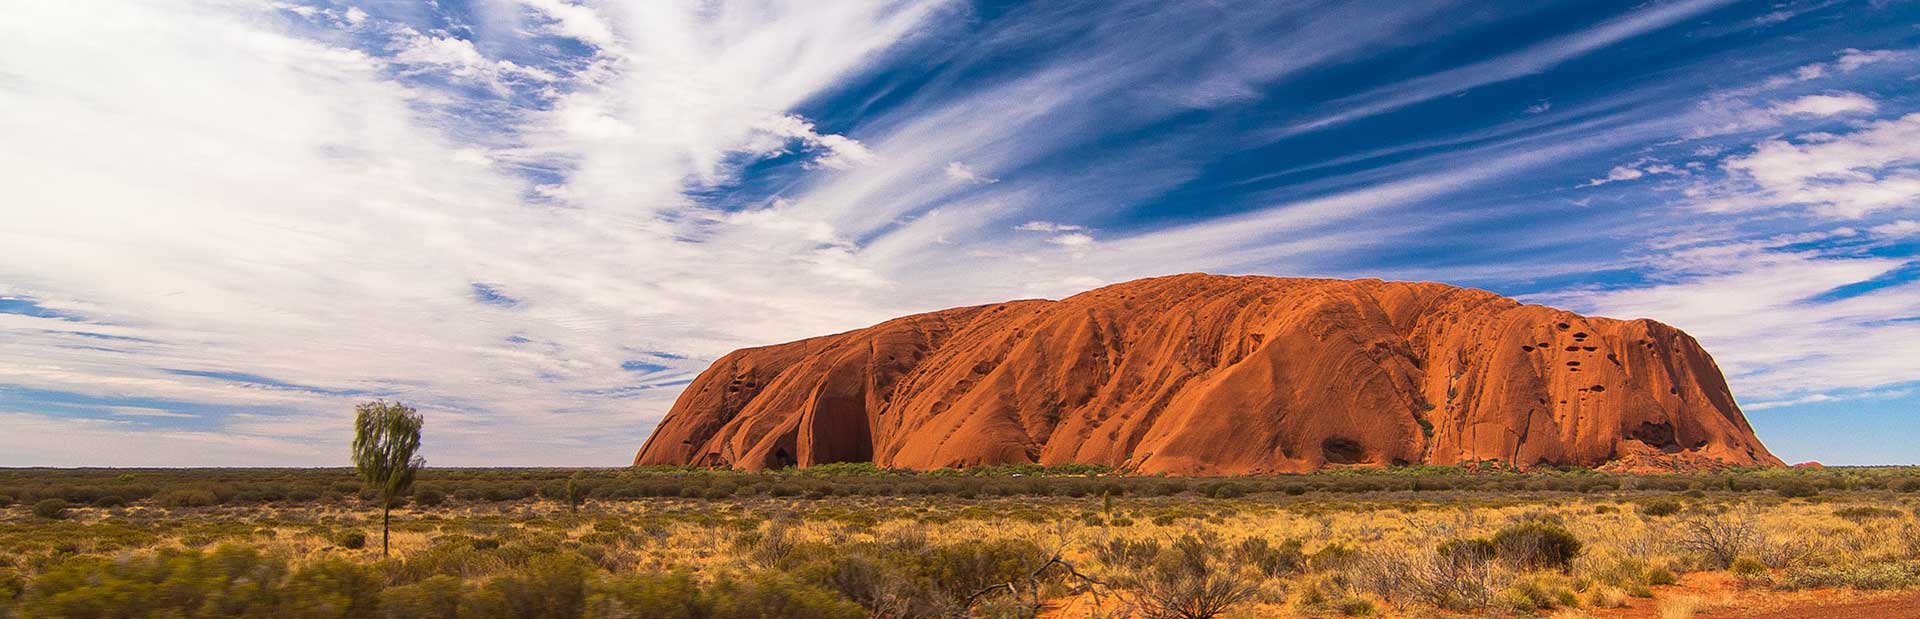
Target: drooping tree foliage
(386, 440)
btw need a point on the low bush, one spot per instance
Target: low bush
(1538, 593)
(1537, 545)
(550, 585)
(352, 540)
(1861, 513)
(766, 595)
(1661, 508)
(51, 509)
(1749, 569)
(436, 597)
(1191, 580)
(1797, 490)
(1126, 554)
(1271, 560)
(1719, 539)
(186, 497)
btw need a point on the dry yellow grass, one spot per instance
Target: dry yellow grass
(1622, 548)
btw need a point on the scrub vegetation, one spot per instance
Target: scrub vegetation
(854, 541)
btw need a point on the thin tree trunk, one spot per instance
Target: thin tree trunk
(386, 516)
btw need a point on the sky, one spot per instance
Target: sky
(225, 222)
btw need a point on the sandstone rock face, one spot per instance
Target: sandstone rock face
(1211, 375)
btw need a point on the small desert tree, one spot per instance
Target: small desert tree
(386, 437)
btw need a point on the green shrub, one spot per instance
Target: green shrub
(1661, 508)
(332, 587)
(1331, 557)
(1537, 545)
(51, 509)
(1476, 549)
(186, 497)
(1190, 581)
(550, 585)
(958, 570)
(654, 596)
(230, 581)
(11, 585)
(1538, 593)
(766, 595)
(429, 497)
(1355, 607)
(1273, 561)
(1225, 490)
(1860, 513)
(436, 597)
(1797, 490)
(352, 540)
(1125, 554)
(1748, 569)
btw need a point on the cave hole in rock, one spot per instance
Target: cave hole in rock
(1563, 326)
(1339, 450)
(1656, 435)
(1526, 348)
(1597, 388)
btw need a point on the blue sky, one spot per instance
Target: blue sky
(228, 221)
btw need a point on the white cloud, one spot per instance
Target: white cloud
(459, 58)
(1852, 59)
(1902, 228)
(1826, 105)
(1540, 107)
(142, 411)
(1636, 170)
(837, 152)
(1732, 113)
(1047, 226)
(576, 21)
(963, 173)
(1075, 240)
(1618, 173)
(1821, 398)
(1851, 175)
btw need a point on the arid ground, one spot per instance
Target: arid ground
(852, 541)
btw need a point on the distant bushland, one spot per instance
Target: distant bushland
(204, 488)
